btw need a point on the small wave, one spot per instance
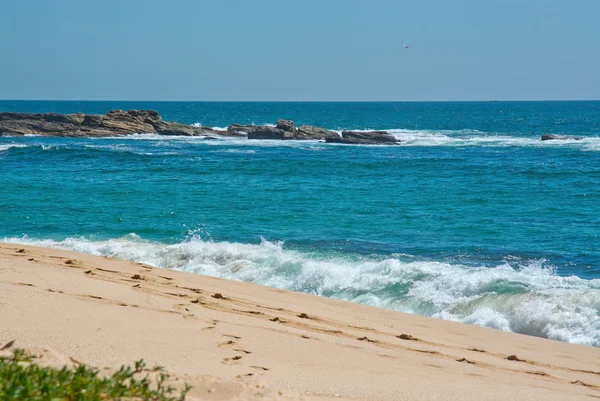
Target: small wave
(215, 128)
(12, 146)
(240, 151)
(528, 299)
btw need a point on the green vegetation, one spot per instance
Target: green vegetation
(22, 379)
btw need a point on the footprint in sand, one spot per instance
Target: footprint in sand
(540, 373)
(243, 350)
(407, 337)
(106, 270)
(8, 345)
(231, 361)
(259, 367)
(580, 383)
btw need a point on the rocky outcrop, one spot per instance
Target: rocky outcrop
(240, 130)
(119, 122)
(266, 132)
(114, 123)
(286, 130)
(554, 137)
(364, 138)
(308, 132)
(288, 127)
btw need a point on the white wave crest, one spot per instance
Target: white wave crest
(11, 146)
(529, 299)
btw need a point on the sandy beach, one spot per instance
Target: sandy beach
(225, 337)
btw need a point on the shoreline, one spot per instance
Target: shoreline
(107, 312)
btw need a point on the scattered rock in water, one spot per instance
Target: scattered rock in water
(288, 128)
(308, 132)
(120, 122)
(364, 138)
(240, 130)
(114, 123)
(266, 132)
(554, 137)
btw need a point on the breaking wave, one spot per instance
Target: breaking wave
(528, 299)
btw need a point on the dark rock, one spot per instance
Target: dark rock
(288, 127)
(554, 137)
(266, 132)
(64, 118)
(114, 123)
(308, 132)
(364, 138)
(240, 129)
(174, 129)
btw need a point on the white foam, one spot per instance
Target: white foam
(532, 300)
(12, 146)
(407, 138)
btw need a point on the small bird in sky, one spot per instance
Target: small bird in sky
(405, 45)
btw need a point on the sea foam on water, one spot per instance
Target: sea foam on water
(529, 299)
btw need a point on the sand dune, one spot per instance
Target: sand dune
(229, 336)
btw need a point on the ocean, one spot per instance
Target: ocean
(472, 218)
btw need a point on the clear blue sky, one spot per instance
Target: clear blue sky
(299, 50)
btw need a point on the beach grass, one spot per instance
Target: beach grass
(21, 378)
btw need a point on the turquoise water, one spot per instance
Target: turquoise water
(472, 218)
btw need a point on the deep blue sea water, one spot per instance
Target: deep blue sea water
(472, 218)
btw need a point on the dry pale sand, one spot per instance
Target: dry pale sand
(228, 336)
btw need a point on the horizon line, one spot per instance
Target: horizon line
(302, 101)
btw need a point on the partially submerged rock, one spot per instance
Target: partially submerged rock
(114, 123)
(240, 129)
(288, 128)
(119, 123)
(266, 132)
(554, 137)
(308, 132)
(364, 138)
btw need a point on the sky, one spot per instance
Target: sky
(319, 50)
